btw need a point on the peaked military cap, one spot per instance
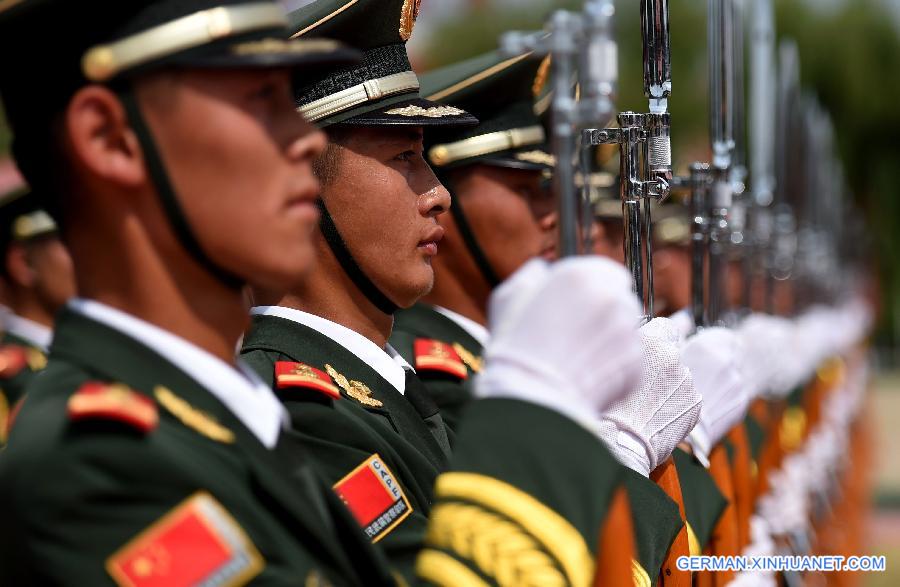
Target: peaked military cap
(500, 91)
(383, 89)
(22, 218)
(54, 47)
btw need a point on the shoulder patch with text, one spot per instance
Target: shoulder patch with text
(196, 543)
(375, 497)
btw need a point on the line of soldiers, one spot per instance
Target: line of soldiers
(422, 393)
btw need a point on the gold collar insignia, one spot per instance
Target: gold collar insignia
(192, 417)
(355, 389)
(476, 364)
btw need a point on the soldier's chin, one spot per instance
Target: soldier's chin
(417, 287)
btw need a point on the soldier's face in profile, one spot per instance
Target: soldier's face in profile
(385, 200)
(51, 271)
(608, 241)
(671, 278)
(511, 212)
(240, 160)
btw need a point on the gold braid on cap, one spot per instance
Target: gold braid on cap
(494, 142)
(103, 62)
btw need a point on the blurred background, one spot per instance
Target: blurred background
(850, 57)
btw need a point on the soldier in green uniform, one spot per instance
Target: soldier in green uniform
(502, 216)
(378, 238)
(143, 454)
(38, 278)
(376, 241)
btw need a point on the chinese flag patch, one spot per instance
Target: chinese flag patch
(434, 355)
(197, 543)
(290, 374)
(374, 497)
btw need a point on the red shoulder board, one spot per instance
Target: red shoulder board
(197, 543)
(104, 401)
(290, 374)
(13, 359)
(434, 355)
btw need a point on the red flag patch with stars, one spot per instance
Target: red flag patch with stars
(375, 497)
(197, 543)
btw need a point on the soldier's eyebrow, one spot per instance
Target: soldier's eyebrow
(413, 135)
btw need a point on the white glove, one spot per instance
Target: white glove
(563, 336)
(684, 323)
(767, 347)
(714, 357)
(643, 428)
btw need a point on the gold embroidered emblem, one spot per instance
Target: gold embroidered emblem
(305, 371)
(539, 157)
(36, 359)
(192, 417)
(476, 364)
(498, 548)
(408, 15)
(434, 112)
(355, 389)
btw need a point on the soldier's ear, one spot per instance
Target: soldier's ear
(101, 140)
(18, 268)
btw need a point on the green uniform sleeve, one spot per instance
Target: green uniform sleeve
(525, 499)
(704, 504)
(657, 521)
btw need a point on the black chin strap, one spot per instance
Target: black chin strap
(167, 197)
(348, 263)
(465, 230)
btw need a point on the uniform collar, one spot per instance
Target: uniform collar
(475, 330)
(38, 335)
(385, 361)
(240, 390)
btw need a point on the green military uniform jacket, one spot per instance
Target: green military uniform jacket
(450, 390)
(343, 433)
(101, 481)
(704, 504)
(20, 361)
(120, 491)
